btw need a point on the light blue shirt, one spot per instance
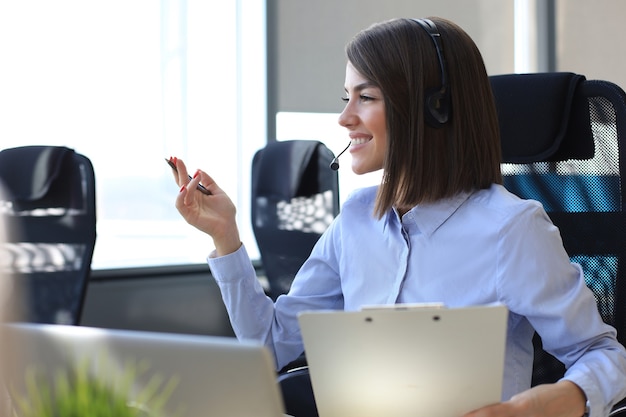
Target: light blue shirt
(474, 249)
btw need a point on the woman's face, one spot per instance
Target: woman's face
(364, 117)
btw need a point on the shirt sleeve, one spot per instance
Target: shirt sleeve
(243, 295)
(254, 316)
(538, 281)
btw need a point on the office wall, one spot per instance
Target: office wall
(306, 38)
(590, 38)
(306, 42)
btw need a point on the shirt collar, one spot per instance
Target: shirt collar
(430, 216)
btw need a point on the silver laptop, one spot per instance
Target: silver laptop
(210, 376)
(405, 360)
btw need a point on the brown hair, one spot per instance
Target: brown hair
(422, 163)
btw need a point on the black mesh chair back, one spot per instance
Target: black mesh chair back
(563, 145)
(295, 196)
(49, 202)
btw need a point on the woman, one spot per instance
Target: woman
(439, 228)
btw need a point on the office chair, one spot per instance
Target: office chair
(563, 145)
(49, 200)
(295, 197)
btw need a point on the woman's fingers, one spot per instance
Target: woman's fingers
(197, 187)
(207, 182)
(214, 214)
(182, 177)
(179, 170)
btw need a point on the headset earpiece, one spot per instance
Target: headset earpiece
(437, 107)
(437, 100)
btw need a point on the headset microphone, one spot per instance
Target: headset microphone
(334, 164)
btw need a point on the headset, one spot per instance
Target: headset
(436, 100)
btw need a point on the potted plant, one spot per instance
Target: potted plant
(82, 393)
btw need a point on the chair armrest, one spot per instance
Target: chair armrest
(618, 410)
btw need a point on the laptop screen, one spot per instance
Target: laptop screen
(193, 375)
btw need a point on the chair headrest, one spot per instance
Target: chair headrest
(279, 167)
(537, 111)
(28, 171)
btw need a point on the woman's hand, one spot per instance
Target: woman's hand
(213, 214)
(562, 399)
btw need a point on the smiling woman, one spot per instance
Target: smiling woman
(126, 84)
(364, 117)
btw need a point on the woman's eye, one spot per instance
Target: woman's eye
(362, 97)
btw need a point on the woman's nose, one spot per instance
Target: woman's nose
(347, 117)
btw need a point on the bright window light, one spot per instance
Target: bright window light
(127, 83)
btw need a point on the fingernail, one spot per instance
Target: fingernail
(196, 174)
(182, 188)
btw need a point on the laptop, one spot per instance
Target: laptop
(405, 360)
(210, 376)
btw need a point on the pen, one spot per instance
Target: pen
(200, 187)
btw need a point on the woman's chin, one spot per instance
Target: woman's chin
(361, 169)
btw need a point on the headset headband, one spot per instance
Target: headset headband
(437, 102)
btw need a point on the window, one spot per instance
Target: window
(127, 84)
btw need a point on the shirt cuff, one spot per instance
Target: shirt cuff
(230, 267)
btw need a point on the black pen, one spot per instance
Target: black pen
(200, 187)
